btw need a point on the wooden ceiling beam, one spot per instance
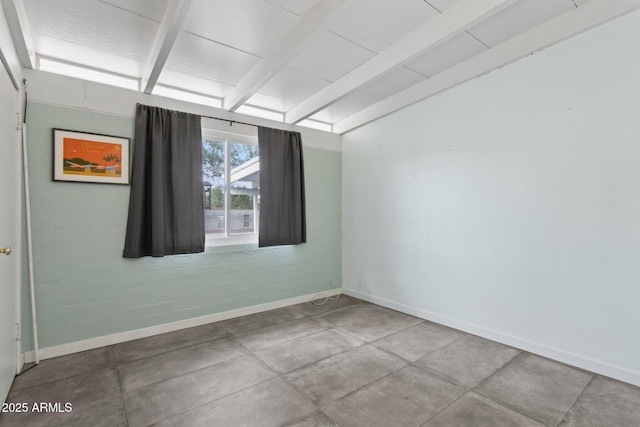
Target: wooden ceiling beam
(312, 23)
(453, 21)
(174, 16)
(570, 23)
(20, 33)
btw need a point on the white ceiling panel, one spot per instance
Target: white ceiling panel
(446, 55)
(152, 9)
(347, 106)
(71, 52)
(518, 18)
(299, 7)
(270, 103)
(341, 61)
(213, 61)
(252, 26)
(392, 82)
(98, 26)
(377, 24)
(329, 57)
(293, 85)
(192, 83)
(184, 95)
(441, 5)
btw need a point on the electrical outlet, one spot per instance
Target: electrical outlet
(360, 282)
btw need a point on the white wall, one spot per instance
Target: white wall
(9, 207)
(8, 54)
(510, 206)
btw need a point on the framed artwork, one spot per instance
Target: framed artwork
(89, 157)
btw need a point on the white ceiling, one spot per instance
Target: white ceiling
(332, 64)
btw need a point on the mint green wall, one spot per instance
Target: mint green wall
(86, 289)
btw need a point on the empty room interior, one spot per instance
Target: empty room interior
(320, 213)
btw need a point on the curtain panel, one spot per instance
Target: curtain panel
(282, 195)
(166, 207)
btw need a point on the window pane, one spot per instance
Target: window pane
(245, 187)
(214, 186)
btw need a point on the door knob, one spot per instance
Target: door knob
(6, 250)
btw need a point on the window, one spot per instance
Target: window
(231, 183)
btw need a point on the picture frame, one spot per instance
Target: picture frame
(90, 157)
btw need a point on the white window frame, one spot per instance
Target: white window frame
(227, 238)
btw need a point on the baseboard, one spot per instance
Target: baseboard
(92, 343)
(20, 363)
(595, 366)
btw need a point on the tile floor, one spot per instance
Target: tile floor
(345, 363)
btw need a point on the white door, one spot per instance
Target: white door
(8, 230)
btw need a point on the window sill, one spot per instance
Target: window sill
(249, 240)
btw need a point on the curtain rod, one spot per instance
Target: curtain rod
(231, 122)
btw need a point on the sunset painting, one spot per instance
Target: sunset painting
(90, 158)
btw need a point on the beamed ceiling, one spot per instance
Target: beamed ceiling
(330, 64)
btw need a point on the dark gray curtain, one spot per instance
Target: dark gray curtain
(282, 204)
(166, 212)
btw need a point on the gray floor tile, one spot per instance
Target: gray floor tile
(150, 346)
(87, 394)
(468, 360)
(474, 410)
(417, 341)
(59, 368)
(332, 378)
(537, 387)
(605, 402)
(260, 320)
(277, 334)
(172, 364)
(314, 309)
(156, 402)
(341, 364)
(106, 412)
(271, 403)
(317, 419)
(370, 322)
(408, 397)
(290, 355)
(81, 388)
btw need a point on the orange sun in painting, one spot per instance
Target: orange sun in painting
(91, 151)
